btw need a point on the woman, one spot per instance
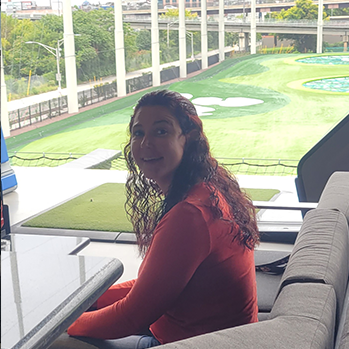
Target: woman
(195, 228)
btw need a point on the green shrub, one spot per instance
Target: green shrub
(277, 50)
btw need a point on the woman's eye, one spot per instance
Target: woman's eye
(161, 131)
(137, 133)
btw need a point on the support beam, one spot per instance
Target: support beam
(119, 50)
(221, 30)
(5, 124)
(253, 28)
(155, 45)
(204, 46)
(242, 45)
(320, 24)
(182, 41)
(70, 61)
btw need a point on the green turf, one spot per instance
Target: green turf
(102, 209)
(291, 120)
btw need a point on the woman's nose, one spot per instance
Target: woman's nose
(146, 142)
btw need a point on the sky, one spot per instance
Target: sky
(56, 3)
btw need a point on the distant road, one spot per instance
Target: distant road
(240, 6)
(27, 101)
(262, 26)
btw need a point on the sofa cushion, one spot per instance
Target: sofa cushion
(311, 300)
(336, 193)
(267, 284)
(321, 252)
(308, 326)
(267, 288)
(284, 332)
(263, 316)
(342, 341)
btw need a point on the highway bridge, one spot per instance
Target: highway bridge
(265, 26)
(243, 6)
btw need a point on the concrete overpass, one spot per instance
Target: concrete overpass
(266, 26)
(245, 6)
(242, 6)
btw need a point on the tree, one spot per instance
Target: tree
(170, 13)
(95, 48)
(340, 11)
(143, 40)
(303, 10)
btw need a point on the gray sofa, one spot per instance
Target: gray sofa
(307, 306)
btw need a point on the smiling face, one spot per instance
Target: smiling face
(157, 144)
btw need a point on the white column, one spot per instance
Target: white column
(345, 42)
(253, 27)
(204, 48)
(5, 124)
(319, 27)
(155, 45)
(221, 30)
(242, 41)
(119, 50)
(182, 41)
(69, 55)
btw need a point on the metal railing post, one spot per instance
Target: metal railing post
(19, 118)
(30, 115)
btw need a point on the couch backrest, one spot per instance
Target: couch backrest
(335, 195)
(321, 253)
(342, 341)
(313, 305)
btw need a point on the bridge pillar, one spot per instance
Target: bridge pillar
(119, 50)
(204, 49)
(319, 27)
(221, 39)
(155, 45)
(182, 41)
(5, 124)
(70, 61)
(253, 49)
(345, 41)
(243, 41)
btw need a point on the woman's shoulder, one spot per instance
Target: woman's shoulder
(197, 198)
(199, 195)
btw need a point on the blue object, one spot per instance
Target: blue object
(8, 177)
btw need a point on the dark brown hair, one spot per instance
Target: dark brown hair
(145, 203)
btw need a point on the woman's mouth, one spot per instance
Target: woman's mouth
(152, 159)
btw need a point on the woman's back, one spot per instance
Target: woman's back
(218, 282)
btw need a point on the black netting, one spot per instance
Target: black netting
(238, 166)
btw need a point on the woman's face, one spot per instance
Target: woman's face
(157, 144)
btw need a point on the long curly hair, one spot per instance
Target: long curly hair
(146, 204)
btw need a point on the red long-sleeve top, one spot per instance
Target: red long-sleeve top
(195, 278)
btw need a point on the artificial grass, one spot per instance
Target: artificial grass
(102, 209)
(289, 122)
